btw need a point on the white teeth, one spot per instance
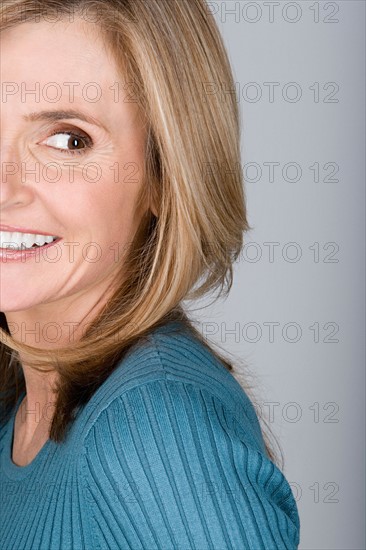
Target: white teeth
(21, 241)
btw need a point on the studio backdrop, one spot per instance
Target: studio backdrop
(296, 311)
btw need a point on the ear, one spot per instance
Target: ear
(153, 210)
(153, 202)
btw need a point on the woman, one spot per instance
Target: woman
(121, 197)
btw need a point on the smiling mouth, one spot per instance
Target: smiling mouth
(24, 241)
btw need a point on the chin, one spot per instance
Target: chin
(20, 299)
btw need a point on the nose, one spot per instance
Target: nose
(14, 191)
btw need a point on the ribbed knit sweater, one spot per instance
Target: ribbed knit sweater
(167, 454)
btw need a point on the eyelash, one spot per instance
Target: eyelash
(87, 139)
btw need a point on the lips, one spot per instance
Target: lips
(24, 241)
(18, 229)
(16, 238)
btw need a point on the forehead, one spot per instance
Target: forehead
(66, 63)
(62, 51)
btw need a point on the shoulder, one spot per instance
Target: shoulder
(171, 361)
(170, 455)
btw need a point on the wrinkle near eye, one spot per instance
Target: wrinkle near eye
(61, 140)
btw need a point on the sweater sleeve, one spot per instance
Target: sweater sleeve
(166, 466)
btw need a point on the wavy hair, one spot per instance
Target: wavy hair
(173, 53)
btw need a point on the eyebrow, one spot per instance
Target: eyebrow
(54, 116)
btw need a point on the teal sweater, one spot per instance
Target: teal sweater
(167, 454)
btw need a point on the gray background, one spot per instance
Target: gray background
(311, 379)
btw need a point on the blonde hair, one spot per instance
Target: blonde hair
(172, 52)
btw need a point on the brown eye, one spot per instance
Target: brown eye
(68, 142)
(76, 143)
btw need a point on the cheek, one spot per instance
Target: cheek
(112, 222)
(117, 218)
(106, 213)
(97, 201)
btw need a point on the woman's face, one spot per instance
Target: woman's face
(75, 176)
